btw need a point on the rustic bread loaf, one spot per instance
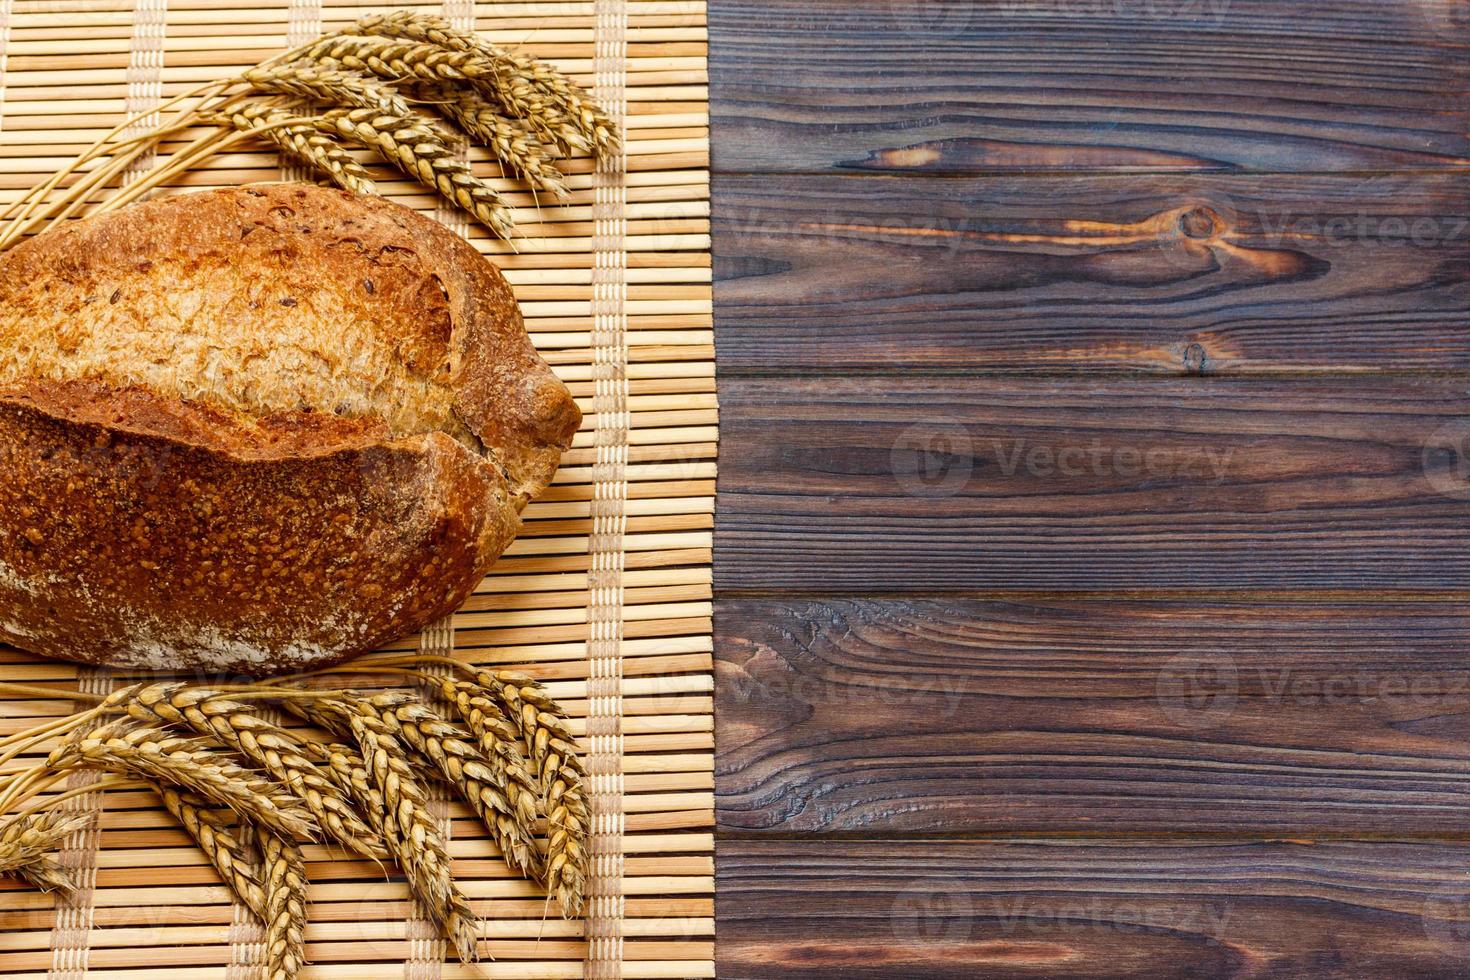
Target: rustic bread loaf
(258, 429)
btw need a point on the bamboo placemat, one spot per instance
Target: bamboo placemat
(606, 593)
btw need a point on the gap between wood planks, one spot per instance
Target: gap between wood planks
(1107, 836)
(1241, 596)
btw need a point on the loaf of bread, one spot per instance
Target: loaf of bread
(258, 429)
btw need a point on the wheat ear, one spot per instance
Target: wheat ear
(28, 837)
(484, 784)
(25, 841)
(163, 757)
(284, 874)
(346, 767)
(304, 141)
(48, 875)
(420, 152)
(388, 783)
(231, 856)
(421, 62)
(415, 834)
(530, 88)
(402, 60)
(236, 725)
(510, 140)
(334, 86)
(552, 753)
(499, 741)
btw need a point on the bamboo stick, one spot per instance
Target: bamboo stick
(159, 913)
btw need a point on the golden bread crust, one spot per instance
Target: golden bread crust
(196, 475)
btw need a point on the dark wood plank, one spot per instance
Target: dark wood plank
(911, 485)
(1067, 716)
(955, 86)
(1172, 274)
(962, 910)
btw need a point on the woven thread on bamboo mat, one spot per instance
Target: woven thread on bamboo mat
(6, 6)
(605, 594)
(609, 497)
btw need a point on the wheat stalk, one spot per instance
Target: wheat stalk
(237, 726)
(419, 152)
(27, 838)
(530, 88)
(357, 68)
(328, 84)
(230, 856)
(499, 741)
(415, 61)
(391, 788)
(485, 785)
(25, 841)
(512, 141)
(302, 140)
(163, 757)
(552, 753)
(403, 60)
(48, 875)
(284, 874)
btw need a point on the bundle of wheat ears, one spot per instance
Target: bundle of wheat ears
(408, 87)
(249, 790)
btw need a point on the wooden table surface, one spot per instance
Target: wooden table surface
(1093, 538)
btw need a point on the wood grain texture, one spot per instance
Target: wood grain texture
(1169, 274)
(946, 484)
(1075, 716)
(968, 86)
(1163, 910)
